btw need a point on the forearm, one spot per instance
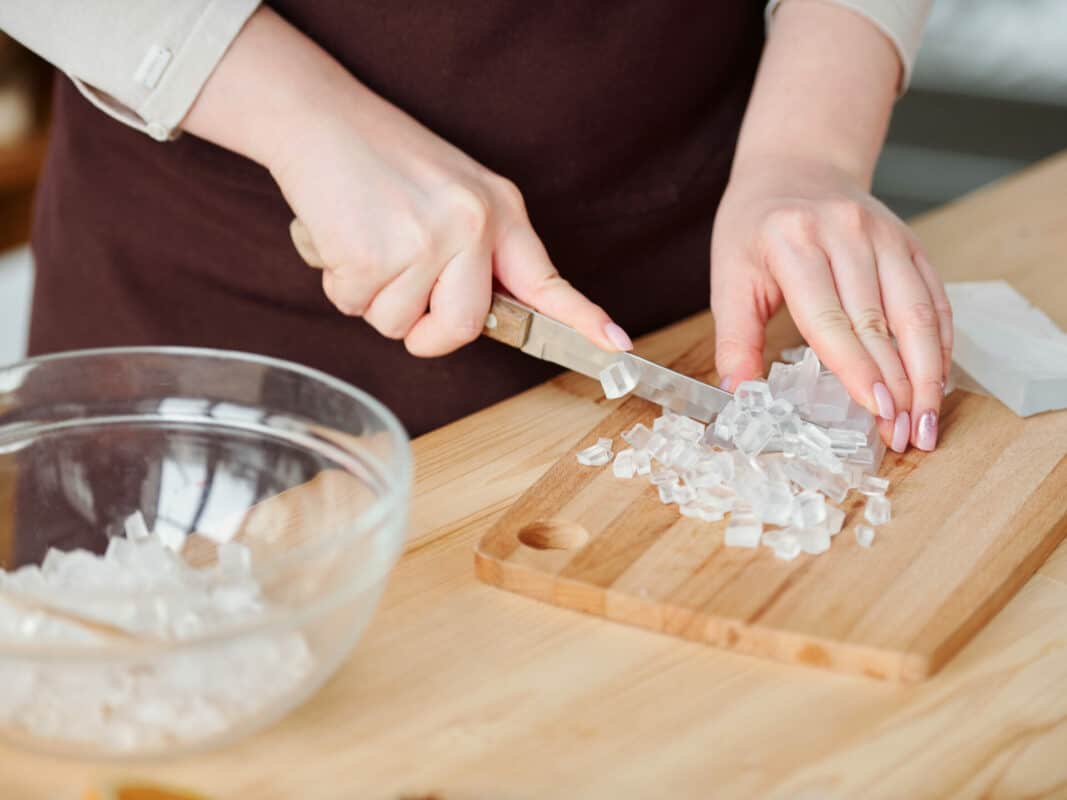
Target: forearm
(824, 92)
(272, 87)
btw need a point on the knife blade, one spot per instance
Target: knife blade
(535, 334)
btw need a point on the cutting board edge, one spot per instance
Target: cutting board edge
(790, 647)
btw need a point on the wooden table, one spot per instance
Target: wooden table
(462, 691)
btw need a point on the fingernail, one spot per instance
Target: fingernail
(926, 436)
(901, 432)
(617, 336)
(884, 401)
(726, 384)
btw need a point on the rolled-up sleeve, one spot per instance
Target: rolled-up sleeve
(141, 62)
(902, 21)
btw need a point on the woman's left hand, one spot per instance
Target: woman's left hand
(853, 276)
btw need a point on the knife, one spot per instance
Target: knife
(510, 322)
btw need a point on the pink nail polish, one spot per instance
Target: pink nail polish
(726, 384)
(926, 435)
(617, 336)
(901, 432)
(884, 400)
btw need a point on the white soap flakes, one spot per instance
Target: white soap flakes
(170, 696)
(763, 462)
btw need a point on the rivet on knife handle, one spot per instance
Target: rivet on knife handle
(508, 322)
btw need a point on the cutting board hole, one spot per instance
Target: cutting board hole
(554, 534)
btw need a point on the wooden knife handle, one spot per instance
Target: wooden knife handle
(508, 321)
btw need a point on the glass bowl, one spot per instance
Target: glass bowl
(191, 543)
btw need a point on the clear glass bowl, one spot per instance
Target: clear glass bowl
(286, 491)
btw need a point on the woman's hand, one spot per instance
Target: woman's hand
(852, 276)
(412, 231)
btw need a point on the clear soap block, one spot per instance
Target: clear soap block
(864, 535)
(877, 510)
(872, 485)
(624, 465)
(595, 456)
(809, 509)
(637, 437)
(619, 379)
(743, 530)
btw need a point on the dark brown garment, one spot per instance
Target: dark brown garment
(617, 120)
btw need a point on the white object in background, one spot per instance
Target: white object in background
(1009, 347)
(16, 289)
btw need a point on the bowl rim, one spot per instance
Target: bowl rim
(394, 497)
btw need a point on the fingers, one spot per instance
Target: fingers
(740, 328)
(941, 306)
(459, 304)
(856, 276)
(524, 268)
(915, 322)
(396, 308)
(803, 272)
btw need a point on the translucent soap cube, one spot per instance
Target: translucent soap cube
(662, 475)
(864, 535)
(642, 462)
(595, 456)
(682, 494)
(624, 466)
(753, 396)
(778, 504)
(794, 355)
(877, 510)
(691, 509)
(830, 401)
(835, 519)
(719, 498)
(756, 435)
(665, 423)
(619, 379)
(780, 379)
(815, 540)
(637, 437)
(743, 530)
(809, 509)
(666, 492)
(787, 547)
(703, 475)
(605, 442)
(872, 484)
(657, 447)
(688, 429)
(687, 457)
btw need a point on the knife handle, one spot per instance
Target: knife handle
(508, 321)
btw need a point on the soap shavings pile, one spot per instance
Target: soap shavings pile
(781, 454)
(142, 585)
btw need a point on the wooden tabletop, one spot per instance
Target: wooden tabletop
(462, 691)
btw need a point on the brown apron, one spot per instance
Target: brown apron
(617, 121)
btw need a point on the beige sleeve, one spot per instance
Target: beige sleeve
(141, 62)
(900, 20)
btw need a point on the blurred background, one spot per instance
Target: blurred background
(989, 96)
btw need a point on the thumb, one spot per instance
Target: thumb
(522, 265)
(740, 332)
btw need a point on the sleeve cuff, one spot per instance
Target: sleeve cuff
(901, 21)
(177, 78)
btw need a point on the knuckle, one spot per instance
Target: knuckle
(509, 194)
(795, 222)
(831, 321)
(469, 209)
(899, 386)
(850, 215)
(922, 317)
(870, 323)
(928, 385)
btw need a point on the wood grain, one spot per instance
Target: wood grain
(464, 692)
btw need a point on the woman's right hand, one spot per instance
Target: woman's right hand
(411, 230)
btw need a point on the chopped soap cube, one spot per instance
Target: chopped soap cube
(877, 510)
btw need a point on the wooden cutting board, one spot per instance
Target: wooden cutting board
(971, 523)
